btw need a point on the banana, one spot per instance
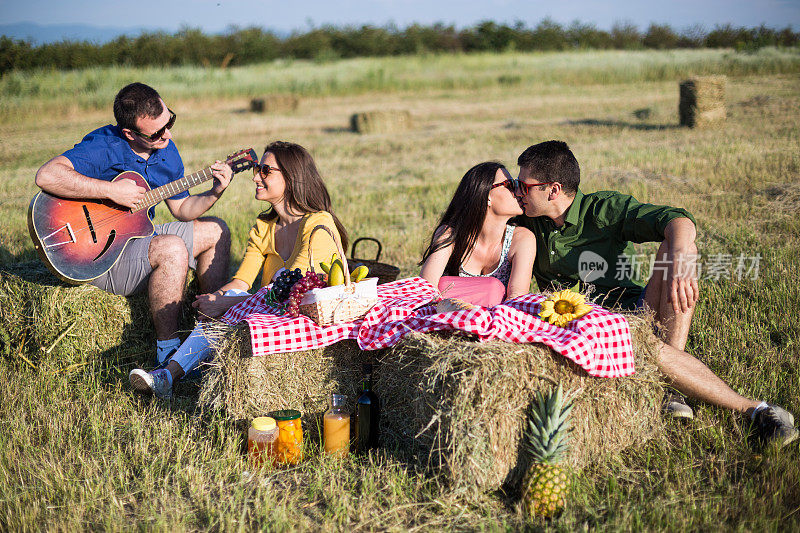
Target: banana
(359, 273)
(326, 267)
(336, 274)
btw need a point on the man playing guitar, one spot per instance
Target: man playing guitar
(141, 141)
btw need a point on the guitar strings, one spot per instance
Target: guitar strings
(101, 222)
(121, 214)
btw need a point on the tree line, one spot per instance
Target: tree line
(242, 46)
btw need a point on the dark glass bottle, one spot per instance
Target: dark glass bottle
(368, 415)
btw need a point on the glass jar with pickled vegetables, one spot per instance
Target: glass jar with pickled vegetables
(261, 438)
(288, 448)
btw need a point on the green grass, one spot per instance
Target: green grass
(78, 450)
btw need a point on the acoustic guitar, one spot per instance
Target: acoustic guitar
(80, 240)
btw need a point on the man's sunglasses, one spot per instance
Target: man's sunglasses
(264, 170)
(518, 187)
(160, 133)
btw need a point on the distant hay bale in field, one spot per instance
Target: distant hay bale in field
(388, 121)
(702, 101)
(784, 198)
(461, 403)
(274, 103)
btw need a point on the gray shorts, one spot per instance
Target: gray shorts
(129, 274)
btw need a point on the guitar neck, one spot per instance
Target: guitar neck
(159, 194)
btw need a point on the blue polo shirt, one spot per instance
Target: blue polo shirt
(104, 153)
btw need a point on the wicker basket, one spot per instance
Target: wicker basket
(383, 271)
(340, 303)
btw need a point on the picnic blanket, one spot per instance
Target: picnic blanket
(600, 342)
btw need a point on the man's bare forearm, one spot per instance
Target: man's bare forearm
(680, 234)
(194, 206)
(58, 177)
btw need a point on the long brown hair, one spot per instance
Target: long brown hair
(464, 216)
(305, 190)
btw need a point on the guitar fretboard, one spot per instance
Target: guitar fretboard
(159, 194)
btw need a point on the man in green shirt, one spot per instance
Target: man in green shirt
(587, 239)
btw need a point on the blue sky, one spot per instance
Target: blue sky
(284, 16)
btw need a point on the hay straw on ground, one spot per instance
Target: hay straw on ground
(274, 103)
(702, 101)
(461, 403)
(387, 121)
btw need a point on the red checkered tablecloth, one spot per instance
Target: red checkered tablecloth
(600, 342)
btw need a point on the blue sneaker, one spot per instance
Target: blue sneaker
(158, 382)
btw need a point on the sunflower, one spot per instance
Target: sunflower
(563, 307)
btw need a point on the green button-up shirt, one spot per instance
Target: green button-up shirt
(595, 245)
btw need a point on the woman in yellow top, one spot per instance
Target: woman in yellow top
(287, 178)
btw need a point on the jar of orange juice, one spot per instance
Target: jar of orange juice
(261, 438)
(289, 446)
(336, 427)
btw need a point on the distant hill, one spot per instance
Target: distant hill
(52, 33)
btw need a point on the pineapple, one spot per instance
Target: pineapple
(545, 485)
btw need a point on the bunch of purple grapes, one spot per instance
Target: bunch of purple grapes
(282, 286)
(310, 281)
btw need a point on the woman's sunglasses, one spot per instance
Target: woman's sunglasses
(160, 133)
(518, 187)
(264, 170)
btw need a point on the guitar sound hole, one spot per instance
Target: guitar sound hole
(109, 242)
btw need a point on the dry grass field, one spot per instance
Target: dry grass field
(78, 450)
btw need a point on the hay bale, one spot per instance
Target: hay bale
(387, 121)
(466, 404)
(274, 103)
(36, 308)
(461, 405)
(245, 387)
(702, 101)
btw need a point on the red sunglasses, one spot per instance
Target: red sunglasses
(524, 188)
(517, 186)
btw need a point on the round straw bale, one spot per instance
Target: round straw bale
(702, 101)
(387, 121)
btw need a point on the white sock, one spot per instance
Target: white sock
(759, 407)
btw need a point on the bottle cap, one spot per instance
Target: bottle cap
(338, 400)
(264, 423)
